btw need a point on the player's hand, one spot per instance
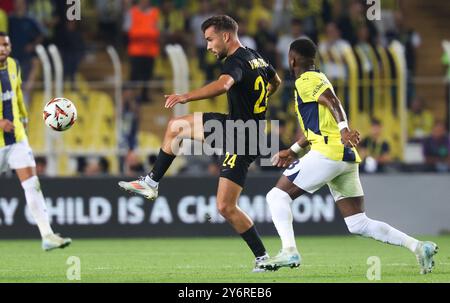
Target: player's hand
(350, 138)
(172, 100)
(6, 125)
(284, 158)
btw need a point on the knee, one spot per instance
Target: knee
(271, 195)
(276, 194)
(357, 224)
(225, 210)
(31, 183)
(176, 126)
(173, 128)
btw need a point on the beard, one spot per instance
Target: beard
(221, 56)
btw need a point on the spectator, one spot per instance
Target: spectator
(375, 151)
(172, 24)
(281, 15)
(420, 121)
(96, 167)
(333, 45)
(71, 44)
(133, 165)
(195, 26)
(411, 41)
(3, 21)
(109, 19)
(364, 44)
(387, 22)
(141, 25)
(258, 11)
(283, 45)
(130, 118)
(356, 18)
(266, 42)
(310, 11)
(41, 166)
(43, 11)
(244, 36)
(436, 149)
(25, 34)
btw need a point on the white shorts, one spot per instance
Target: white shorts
(16, 156)
(314, 170)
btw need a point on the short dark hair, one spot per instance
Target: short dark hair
(304, 47)
(221, 23)
(375, 122)
(297, 21)
(3, 34)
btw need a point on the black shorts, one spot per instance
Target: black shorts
(232, 166)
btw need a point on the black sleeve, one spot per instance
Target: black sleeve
(233, 68)
(271, 72)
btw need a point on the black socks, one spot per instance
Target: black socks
(253, 240)
(162, 164)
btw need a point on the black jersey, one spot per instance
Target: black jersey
(247, 98)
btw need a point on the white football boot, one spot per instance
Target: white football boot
(140, 187)
(53, 241)
(286, 258)
(424, 254)
(259, 261)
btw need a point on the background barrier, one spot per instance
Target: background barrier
(96, 208)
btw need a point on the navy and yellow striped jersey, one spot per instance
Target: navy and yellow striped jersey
(317, 121)
(12, 106)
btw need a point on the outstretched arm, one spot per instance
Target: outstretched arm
(213, 89)
(350, 138)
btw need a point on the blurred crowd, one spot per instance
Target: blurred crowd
(140, 29)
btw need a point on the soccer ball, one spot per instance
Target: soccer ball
(59, 114)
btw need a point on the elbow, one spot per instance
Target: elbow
(276, 82)
(225, 88)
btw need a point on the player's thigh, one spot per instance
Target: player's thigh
(228, 193)
(312, 171)
(188, 126)
(290, 188)
(347, 184)
(21, 159)
(235, 168)
(347, 191)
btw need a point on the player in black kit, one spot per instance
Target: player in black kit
(248, 81)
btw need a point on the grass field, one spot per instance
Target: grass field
(325, 259)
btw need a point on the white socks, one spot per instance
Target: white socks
(36, 205)
(280, 207)
(151, 182)
(360, 224)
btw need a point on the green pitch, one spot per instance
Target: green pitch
(325, 259)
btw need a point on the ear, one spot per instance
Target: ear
(293, 60)
(226, 36)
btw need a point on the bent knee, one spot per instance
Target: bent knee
(276, 194)
(226, 210)
(357, 224)
(178, 126)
